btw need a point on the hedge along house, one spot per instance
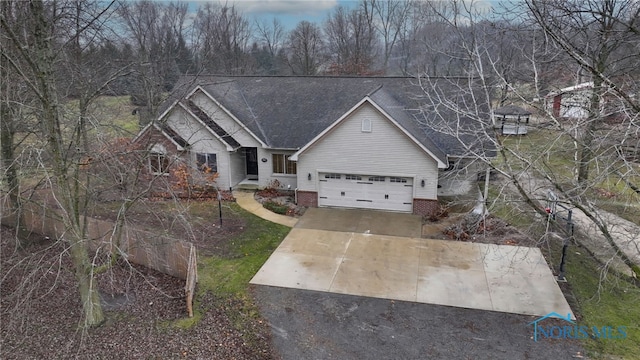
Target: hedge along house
(356, 142)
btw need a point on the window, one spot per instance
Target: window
(366, 125)
(282, 164)
(376, 178)
(207, 163)
(158, 163)
(397, 180)
(353, 177)
(332, 176)
(158, 160)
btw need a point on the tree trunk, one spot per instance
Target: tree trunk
(11, 174)
(7, 134)
(92, 308)
(66, 187)
(585, 154)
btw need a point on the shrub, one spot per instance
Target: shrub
(275, 207)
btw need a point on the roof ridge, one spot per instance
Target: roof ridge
(375, 90)
(255, 118)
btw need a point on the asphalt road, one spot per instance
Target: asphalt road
(318, 325)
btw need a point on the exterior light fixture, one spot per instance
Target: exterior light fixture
(422, 182)
(309, 177)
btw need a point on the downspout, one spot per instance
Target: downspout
(229, 173)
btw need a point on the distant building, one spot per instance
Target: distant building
(511, 120)
(571, 102)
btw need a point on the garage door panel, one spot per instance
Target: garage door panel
(365, 192)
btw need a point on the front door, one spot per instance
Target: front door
(251, 156)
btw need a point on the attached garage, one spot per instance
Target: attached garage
(366, 191)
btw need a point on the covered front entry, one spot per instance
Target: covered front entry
(366, 191)
(251, 159)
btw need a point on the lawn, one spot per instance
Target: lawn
(118, 109)
(226, 275)
(110, 116)
(597, 300)
(553, 153)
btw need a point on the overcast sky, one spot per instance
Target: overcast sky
(289, 12)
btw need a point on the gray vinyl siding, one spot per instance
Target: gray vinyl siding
(266, 170)
(383, 151)
(238, 168)
(201, 141)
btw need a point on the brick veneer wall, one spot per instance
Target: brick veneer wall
(153, 136)
(425, 207)
(308, 198)
(162, 184)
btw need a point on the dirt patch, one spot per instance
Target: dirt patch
(41, 313)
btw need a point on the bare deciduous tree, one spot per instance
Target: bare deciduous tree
(221, 36)
(51, 48)
(39, 55)
(389, 19)
(599, 36)
(530, 172)
(351, 39)
(269, 48)
(161, 53)
(271, 35)
(306, 48)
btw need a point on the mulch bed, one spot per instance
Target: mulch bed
(491, 230)
(281, 198)
(41, 313)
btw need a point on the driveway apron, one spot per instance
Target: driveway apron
(381, 255)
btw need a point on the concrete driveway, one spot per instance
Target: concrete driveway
(380, 254)
(362, 222)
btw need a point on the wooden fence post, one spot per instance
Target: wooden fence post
(192, 278)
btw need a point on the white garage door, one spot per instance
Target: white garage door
(366, 191)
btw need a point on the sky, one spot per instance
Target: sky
(289, 12)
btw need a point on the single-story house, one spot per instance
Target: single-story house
(359, 142)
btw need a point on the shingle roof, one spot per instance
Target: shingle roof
(211, 124)
(511, 110)
(174, 136)
(288, 112)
